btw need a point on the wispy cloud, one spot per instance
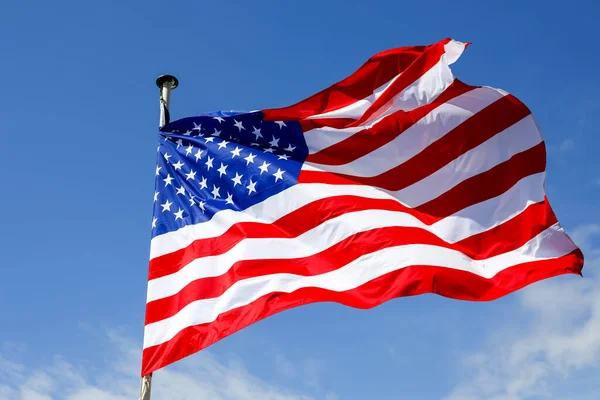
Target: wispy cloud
(567, 145)
(199, 377)
(561, 339)
(583, 236)
(308, 370)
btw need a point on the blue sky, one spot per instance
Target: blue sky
(79, 114)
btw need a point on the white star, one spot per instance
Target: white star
(281, 124)
(178, 214)
(166, 206)
(198, 154)
(290, 148)
(283, 157)
(264, 167)
(155, 196)
(208, 163)
(209, 139)
(192, 202)
(187, 133)
(251, 187)
(203, 184)
(178, 165)
(239, 125)
(154, 222)
(168, 180)
(229, 199)
(158, 169)
(197, 127)
(250, 159)
(223, 144)
(201, 205)
(216, 132)
(219, 119)
(181, 190)
(278, 175)
(235, 152)
(237, 180)
(257, 133)
(269, 150)
(222, 170)
(191, 175)
(274, 142)
(189, 150)
(215, 191)
(167, 156)
(179, 143)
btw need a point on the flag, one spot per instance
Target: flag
(398, 180)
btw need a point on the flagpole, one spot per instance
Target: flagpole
(165, 83)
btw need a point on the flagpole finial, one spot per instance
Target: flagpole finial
(168, 79)
(165, 83)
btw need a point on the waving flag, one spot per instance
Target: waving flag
(399, 180)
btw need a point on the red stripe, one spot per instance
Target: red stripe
(483, 125)
(370, 139)
(338, 123)
(407, 281)
(513, 233)
(308, 176)
(341, 254)
(488, 184)
(377, 71)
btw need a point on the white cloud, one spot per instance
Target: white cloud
(583, 236)
(567, 145)
(285, 366)
(560, 341)
(201, 376)
(308, 371)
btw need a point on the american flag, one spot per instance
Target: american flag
(399, 180)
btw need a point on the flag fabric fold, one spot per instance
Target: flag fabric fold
(398, 180)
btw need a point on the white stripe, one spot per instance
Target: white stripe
(416, 138)
(470, 221)
(321, 138)
(528, 189)
(308, 167)
(549, 244)
(500, 148)
(488, 214)
(422, 91)
(454, 50)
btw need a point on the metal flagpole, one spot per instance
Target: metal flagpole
(146, 387)
(166, 83)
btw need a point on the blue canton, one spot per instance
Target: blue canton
(209, 163)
